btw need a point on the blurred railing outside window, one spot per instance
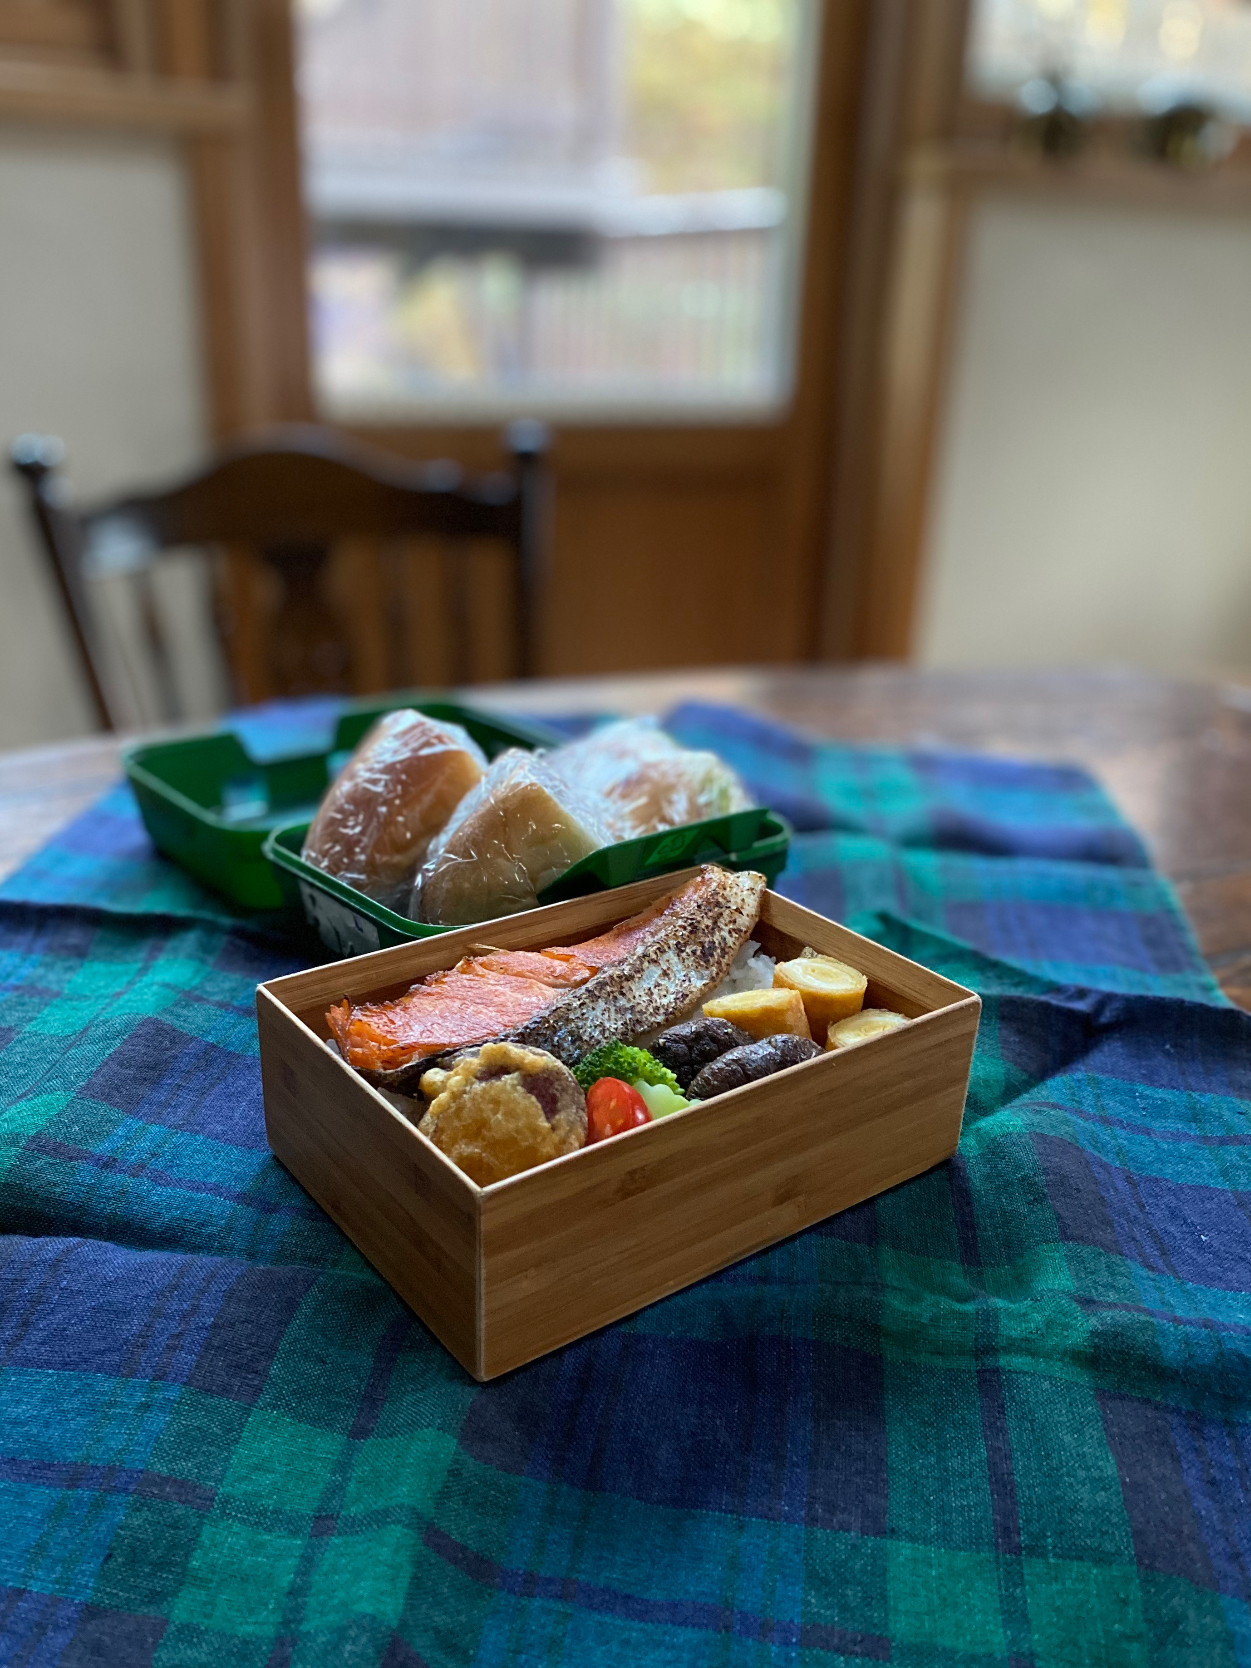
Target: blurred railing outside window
(1128, 55)
(591, 205)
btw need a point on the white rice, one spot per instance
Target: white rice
(752, 970)
(406, 1105)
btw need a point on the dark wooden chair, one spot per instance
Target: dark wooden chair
(336, 567)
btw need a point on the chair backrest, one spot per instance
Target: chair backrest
(307, 522)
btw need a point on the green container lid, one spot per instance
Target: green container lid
(350, 924)
(208, 804)
(751, 839)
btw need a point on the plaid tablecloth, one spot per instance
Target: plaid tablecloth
(998, 1416)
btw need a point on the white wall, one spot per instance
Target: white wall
(98, 343)
(1093, 494)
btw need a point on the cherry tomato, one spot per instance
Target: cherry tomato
(612, 1107)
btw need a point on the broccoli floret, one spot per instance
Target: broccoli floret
(618, 1059)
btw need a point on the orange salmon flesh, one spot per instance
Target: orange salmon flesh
(478, 999)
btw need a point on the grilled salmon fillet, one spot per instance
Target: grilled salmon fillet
(640, 974)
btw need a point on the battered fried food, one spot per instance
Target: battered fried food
(504, 1110)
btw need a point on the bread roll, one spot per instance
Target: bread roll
(396, 792)
(521, 827)
(667, 792)
(648, 780)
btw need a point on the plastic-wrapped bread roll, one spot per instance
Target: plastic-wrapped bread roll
(667, 792)
(649, 781)
(521, 827)
(396, 792)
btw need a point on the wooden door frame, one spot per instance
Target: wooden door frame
(903, 278)
(248, 213)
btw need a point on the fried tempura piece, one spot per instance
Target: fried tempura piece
(504, 1110)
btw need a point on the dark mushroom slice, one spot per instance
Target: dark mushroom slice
(751, 1063)
(687, 1048)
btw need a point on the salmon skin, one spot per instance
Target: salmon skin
(678, 961)
(640, 974)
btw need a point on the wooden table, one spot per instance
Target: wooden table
(1175, 756)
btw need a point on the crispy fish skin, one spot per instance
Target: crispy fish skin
(690, 950)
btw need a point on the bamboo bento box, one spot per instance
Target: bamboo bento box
(504, 1273)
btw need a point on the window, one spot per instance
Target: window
(586, 205)
(1129, 54)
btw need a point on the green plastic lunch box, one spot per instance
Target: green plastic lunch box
(238, 824)
(208, 804)
(349, 924)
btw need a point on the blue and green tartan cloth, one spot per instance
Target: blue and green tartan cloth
(999, 1416)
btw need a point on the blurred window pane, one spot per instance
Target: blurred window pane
(587, 204)
(1129, 53)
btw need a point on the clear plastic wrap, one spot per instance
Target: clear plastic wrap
(395, 794)
(647, 779)
(522, 825)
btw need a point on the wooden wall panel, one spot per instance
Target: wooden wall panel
(57, 31)
(491, 586)
(664, 575)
